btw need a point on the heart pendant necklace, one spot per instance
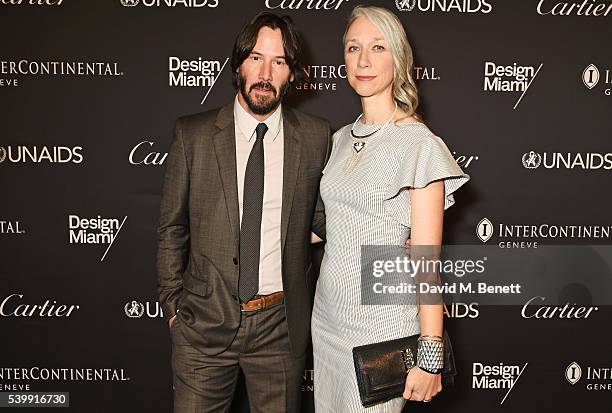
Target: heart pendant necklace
(359, 142)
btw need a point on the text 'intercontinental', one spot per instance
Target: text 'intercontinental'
(62, 374)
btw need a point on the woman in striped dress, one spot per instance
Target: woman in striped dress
(389, 178)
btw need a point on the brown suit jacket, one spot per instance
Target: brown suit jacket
(199, 226)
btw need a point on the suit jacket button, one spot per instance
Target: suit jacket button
(235, 261)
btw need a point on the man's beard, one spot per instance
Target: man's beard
(268, 104)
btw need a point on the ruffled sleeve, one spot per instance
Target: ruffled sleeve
(427, 161)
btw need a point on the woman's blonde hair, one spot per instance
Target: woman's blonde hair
(388, 24)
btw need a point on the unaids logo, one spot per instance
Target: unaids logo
(463, 6)
(2, 154)
(171, 3)
(148, 309)
(405, 5)
(531, 160)
(133, 309)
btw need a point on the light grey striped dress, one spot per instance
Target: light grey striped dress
(368, 206)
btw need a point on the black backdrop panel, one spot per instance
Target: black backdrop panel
(89, 91)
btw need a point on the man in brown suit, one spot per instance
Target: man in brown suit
(239, 206)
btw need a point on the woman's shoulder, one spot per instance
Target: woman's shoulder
(412, 139)
(408, 134)
(343, 131)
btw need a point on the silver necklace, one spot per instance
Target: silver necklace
(359, 142)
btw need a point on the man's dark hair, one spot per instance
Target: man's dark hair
(247, 38)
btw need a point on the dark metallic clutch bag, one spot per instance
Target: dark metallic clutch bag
(382, 368)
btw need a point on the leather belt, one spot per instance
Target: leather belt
(262, 301)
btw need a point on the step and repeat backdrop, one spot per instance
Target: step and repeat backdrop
(89, 92)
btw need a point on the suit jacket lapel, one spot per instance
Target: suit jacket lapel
(291, 166)
(225, 149)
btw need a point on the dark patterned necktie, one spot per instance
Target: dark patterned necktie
(250, 228)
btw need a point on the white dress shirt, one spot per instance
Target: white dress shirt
(270, 268)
